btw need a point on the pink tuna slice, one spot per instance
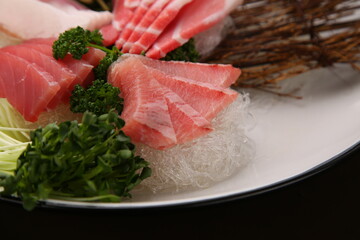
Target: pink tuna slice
(145, 110)
(109, 34)
(145, 22)
(59, 71)
(130, 26)
(151, 97)
(82, 68)
(93, 56)
(28, 88)
(166, 16)
(187, 122)
(205, 98)
(154, 115)
(194, 18)
(123, 12)
(219, 75)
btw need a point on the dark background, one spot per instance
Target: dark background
(323, 206)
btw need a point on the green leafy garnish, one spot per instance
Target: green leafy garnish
(101, 70)
(99, 98)
(186, 52)
(76, 42)
(90, 161)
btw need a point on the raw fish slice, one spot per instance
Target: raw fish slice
(145, 110)
(194, 18)
(205, 98)
(109, 34)
(220, 75)
(93, 56)
(59, 71)
(81, 68)
(145, 22)
(157, 27)
(29, 90)
(130, 26)
(188, 123)
(123, 12)
(132, 3)
(190, 104)
(46, 19)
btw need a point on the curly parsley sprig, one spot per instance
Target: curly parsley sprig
(89, 161)
(76, 41)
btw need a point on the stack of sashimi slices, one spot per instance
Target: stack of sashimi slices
(33, 81)
(169, 103)
(159, 26)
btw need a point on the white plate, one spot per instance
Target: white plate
(294, 138)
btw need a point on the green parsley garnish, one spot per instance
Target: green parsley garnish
(99, 98)
(89, 161)
(186, 52)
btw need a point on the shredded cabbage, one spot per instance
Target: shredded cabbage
(14, 137)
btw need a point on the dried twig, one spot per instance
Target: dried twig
(277, 39)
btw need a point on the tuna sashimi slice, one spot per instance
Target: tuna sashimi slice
(205, 98)
(145, 22)
(194, 18)
(145, 110)
(166, 16)
(220, 75)
(109, 34)
(130, 26)
(187, 122)
(93, 56)
(59, 71)
(123, 12)
(148, 93)
(81, 68)
(28, 88)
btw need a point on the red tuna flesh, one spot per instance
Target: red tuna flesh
(145, 22)
(219, 75)
(28, 88)
(130, 26)
(60, 72)
(151, 34)
(162, 110)
(194, 18)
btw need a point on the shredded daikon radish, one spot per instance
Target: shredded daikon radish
(207, 160)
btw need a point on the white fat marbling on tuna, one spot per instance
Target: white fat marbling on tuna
(178, 4)
(132, 3)
(177, 36)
